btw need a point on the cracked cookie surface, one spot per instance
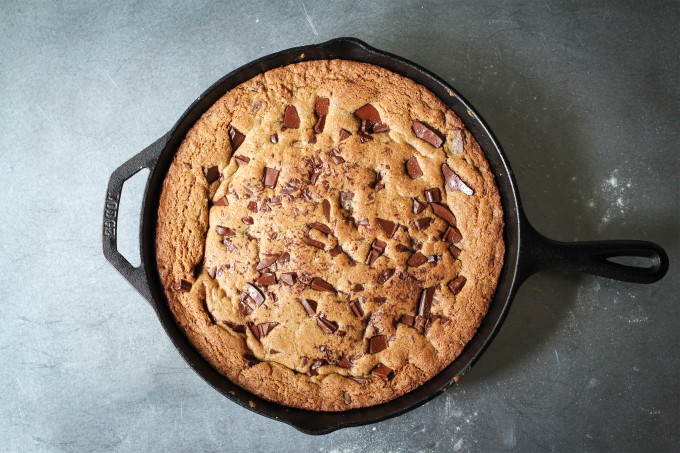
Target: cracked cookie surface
(329, 235)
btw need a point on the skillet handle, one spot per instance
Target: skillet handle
(147, 158)
(592, 257)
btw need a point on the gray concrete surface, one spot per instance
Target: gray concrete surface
(584, 96)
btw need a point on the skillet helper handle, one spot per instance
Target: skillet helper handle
(594, 257)
(145, 159)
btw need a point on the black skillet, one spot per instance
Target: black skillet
(527, 251)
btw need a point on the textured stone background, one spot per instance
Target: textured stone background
(585, 98)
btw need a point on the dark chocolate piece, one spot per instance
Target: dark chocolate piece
(288, 278)
(326, 325)
(418, 207)
(321, 285)
(326, 206)
(271, 176)
(363, 138)
(182, 286)
(310, 306)
(251, 360)
(344, 363)
(252, 206)
(385, 275)
(221, 202)
(430, 135)
(377, 249)
(266, 279)
(319, 125)
(433, 195)
(255, 294)
(408, 320)
(355, 305)
(377, 343)
(244, 308)
(236, 138)
(316, 365)
(274, 138)
(212, 174)
(417, 259)
(267, 261)
(344, 134)
(380, 127)
(368, 113)
(224, 231)
(262, 330)
(238, 328)
(452, 234)
(318, 226)
(388, 226)
(247, 220)
(335, 251)
(321, 106)
(291, 120)
(425, 301)
(314, 243)
(444, 213)
(242, 160)
(453, 181)
(384, 372)
(337, 159)
(422, 224)
(455, 251)
(413, 168)
(456, 285)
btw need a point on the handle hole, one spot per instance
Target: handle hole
(129, 215)
(642, 262)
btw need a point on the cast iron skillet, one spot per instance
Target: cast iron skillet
(527, 251)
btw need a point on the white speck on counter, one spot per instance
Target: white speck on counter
(458, 445)
(613, 193)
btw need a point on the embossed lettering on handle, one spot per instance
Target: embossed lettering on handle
(111, 214)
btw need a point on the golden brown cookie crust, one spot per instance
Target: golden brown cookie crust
(320, 359)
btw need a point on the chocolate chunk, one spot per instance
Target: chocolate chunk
(378, 245)
(212, 272)
(244, 308)
(380, 127)
(291, 120)
(316, 365)
(224, 231)
(418, 207)
(255, 294)
(284, 258)
(344, 363)
(252, 206)
(335, 251)
(425, 301)
(274, 138)
(236, 138)
(355, 305)
(365, 126)
(377, 343)
(402, 248)
(388, 226)
(408, 320)
(242, 160)
(363, 138)
(413, 168)
(288, 278)
(379, 300)
(262, 330)
(289, 187)
(385, 275)
(337, 160)
(417, 259)
(422, 224)
(433, 195)
(182, 286)
(362, 222)
(444, 213)
(368, 113)
(344, 134)
(457, 284)
(319, 125)
(274, 351)
(310, 306)
(247, 220)
(314, 243)
(320, 227)
(238, 328)
(271, 175)
(433, 258)
(266, 262)
(222, 202)
(212, 174)
(453, 181)
(326, 206)
(326, 325)
(321, 106)
(358, 288)
(384, 372)
(430, 135)
(321, 285)
(452, 234)
(266, 279)
(377, 249)
(314, 176)
(455, 251)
